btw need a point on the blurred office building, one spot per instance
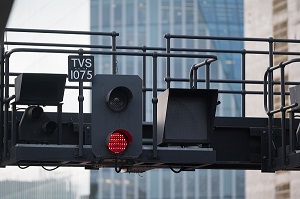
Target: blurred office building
(278, 19)
(144, 23)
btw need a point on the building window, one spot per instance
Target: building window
(282, 191)
(279, 6)
(280, 31)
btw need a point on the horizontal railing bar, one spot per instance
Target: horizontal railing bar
(231, 38)
(62, 32)
(109, 53)
(145, 48)
(58, 45)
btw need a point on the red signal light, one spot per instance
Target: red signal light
(118, 141)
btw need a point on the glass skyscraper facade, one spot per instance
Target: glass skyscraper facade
(37, 183)
(45, 189)
(164, 184)
(142, 22)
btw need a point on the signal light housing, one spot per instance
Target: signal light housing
(186, 116)
(116, 116)
(36, 127)
(39, 88)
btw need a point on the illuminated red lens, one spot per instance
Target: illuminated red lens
(117, 142)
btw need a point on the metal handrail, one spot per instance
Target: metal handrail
(154, 53)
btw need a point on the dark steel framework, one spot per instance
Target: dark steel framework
(268, 143)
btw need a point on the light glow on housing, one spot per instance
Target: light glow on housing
(118, 141)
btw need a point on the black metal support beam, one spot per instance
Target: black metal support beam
(235, 144)
(267, 143)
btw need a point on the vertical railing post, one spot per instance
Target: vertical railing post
(154, 102)
(2, 59)
(192, 71)
(283, 111)
(13, 125)
(144, 83)
(6, 106)
(292, 133)
(195, 77)
(114, 48)
(59, 121)
(168, 61)
(243, 82)
(207, 74)
(80, 114)
(271, 105)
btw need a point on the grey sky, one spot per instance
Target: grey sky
(48, 14)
